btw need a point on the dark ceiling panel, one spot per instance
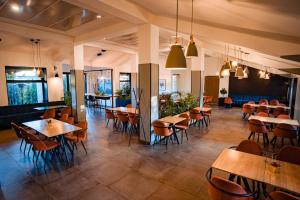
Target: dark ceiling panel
(292, 70)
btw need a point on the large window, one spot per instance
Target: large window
(98, 81)
(67, 82)
(125, 81)
(26, 85)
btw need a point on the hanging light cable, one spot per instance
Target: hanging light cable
(191, 50)
(176, 58)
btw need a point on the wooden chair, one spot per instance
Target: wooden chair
(247, 110)
(228, 102)
(274, 102)
(284, 131)
(64, 117)
(222, 189)
(207, 114)
(279, 195)
(67, 110)
(133, 124)
(184, 125)
(256, 126)
(263, 102)
(283, 116)
(128, 106)
(39, 145)
(109, 115)
(162, 129)
(262, 114)
(18, 133)
(262, 109)
(196, 116)
(48, 114)
(123, 120)
(289, 154)
(70, 120)
(279, 111)
(78, 136)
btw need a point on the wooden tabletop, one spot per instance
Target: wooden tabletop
(50, 107)
(256, 168)
(125, 109)
(52, 129)
(274, 120)
(203, 109)
(268, 106)
(172, 119)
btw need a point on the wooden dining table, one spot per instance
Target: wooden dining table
(125, 109)
(258, 168)
(202, 110)
(269, 106)
(173, 120)
(53, 128)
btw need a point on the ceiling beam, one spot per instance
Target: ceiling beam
(107, 45)
(122, 9)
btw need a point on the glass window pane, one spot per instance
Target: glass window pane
(24, 93)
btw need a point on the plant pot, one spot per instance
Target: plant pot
(122, 102)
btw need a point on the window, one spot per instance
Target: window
(175, 82)
(125, 81)
(67, 82)
(26, 85)
(98, 81)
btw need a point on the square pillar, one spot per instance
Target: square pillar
(148, 76)
(77, 84)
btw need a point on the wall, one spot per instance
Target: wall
(276, 86)
(9, 58)
(212, 66)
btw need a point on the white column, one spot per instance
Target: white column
(77, 84)
(148, 52)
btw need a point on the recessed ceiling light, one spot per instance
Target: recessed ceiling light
(15, 7)
(99, 16)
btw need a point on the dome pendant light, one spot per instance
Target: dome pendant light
(191, 50)
(239, 72)
(176, 59)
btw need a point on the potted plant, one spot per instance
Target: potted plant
(223, 91)
(124, 96)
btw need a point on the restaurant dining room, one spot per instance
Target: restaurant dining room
(149, 100)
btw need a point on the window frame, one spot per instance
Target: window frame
(43, 81)
(129, 81)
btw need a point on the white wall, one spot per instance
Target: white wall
(212, 65)
(9, 58)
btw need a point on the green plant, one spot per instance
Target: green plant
(68, 98)
(124, 93)
(223, 91)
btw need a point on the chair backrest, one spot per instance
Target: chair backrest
(289, 154)
(283, 116)
(249, 146)
(64, 117)
(262, 114)
(70, 120)
(187, 119)
(195, 114)
(16, 129)
(37, 143)
(161, 128)
(67, 110)
(109, 114)
(220, 188)
(274, 102)
(247, 109)
(123, 117)
(285, 130)
(228, 100)
(84, 126)
(263, 109)
(279, 195)
(128, 106)
(251, 102)
(133, 118)
(257, 126)
(278, 111)
(263, 102)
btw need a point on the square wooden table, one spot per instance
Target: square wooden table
(273, 120)
(125, 109)
(52, 129)
(173, 120)
(256, 168)
(268, 106)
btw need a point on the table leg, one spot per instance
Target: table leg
(174, 133)
(204, 119)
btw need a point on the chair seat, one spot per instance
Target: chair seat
(181, 127)
(74, 138)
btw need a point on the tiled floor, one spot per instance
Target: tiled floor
(113, 171)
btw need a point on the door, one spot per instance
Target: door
(211, 87)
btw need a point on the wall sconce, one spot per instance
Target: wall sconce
(55, 72)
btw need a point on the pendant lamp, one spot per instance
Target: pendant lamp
(176, 59)
(239, 72)
(191, 50)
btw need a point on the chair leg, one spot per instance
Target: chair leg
(187, 138)
(83, 147)
(167, 141)
(107, 123)
(251, 133)
(21, 143)
(181, 136)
